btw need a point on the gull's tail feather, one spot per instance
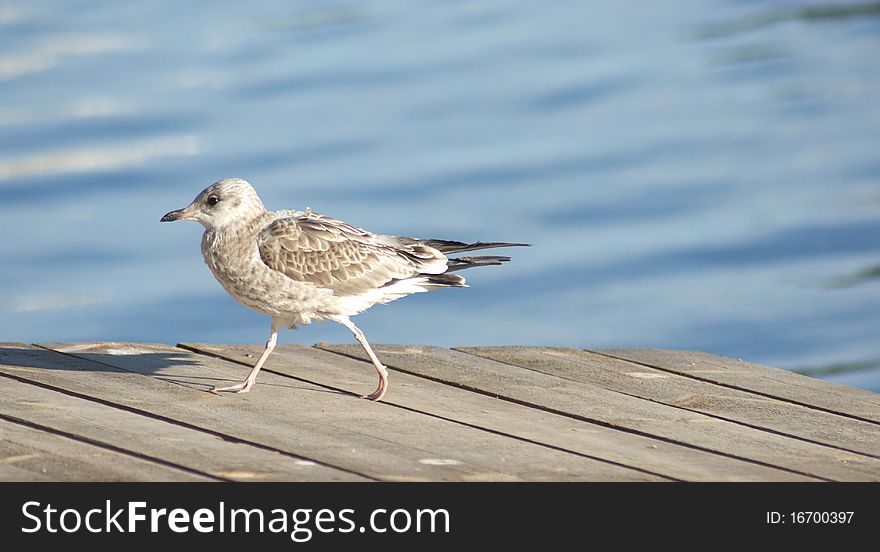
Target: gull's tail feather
(449, 246)
(445, 280)
(461, 263)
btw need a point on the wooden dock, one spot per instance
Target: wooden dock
(131, 411)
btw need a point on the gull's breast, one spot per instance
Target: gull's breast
(237, 266)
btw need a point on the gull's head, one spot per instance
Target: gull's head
(224, 202)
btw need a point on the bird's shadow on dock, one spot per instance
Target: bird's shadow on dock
(182, 368)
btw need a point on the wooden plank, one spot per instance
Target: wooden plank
(675, 390)
(772, 382)
(10, 473)
(155, 439)
(45, 455)
(592, 402)
(380, 441)
(437, 399)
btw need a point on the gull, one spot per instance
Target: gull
(300, 266)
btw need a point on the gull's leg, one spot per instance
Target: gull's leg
(246, 385)
(380, 368)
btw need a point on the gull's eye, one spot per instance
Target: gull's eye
(213, 200)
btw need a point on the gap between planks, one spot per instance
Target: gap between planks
(112, 448)
(613, 354)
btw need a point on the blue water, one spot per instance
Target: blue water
(692, 174)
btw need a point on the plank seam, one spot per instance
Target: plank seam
(108, 446)
(547, 445)
(760, 428)
(736, 387)
(590, 420)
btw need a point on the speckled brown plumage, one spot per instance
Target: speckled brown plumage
(300, 266)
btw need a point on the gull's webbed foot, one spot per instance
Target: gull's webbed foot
(242, 387)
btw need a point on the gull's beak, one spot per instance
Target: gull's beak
(180, 214)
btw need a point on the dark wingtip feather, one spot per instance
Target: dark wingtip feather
(460, 263)
(447, 246)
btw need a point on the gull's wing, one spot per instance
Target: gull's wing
(332, 254)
